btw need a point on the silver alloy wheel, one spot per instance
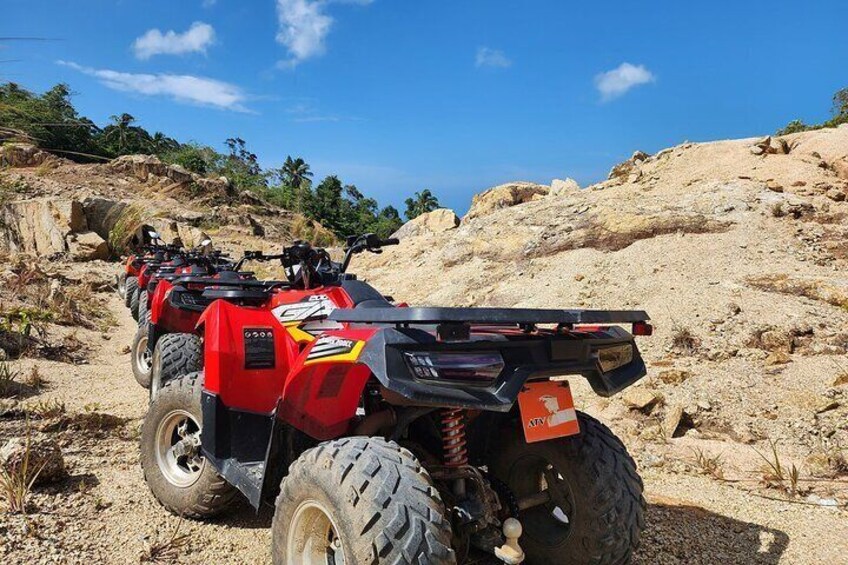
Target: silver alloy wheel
(177, 448)
(313, 537)
(143, 356)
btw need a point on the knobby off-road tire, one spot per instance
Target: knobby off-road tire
(130, 290)
(174, 355)
(142, 358)
(202, 494)
(143, 312)
(602, 495)
(122, 285)
(375, 496)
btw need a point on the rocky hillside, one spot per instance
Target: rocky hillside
(52, 207)
(737, 249)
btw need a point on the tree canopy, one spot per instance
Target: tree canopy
(51, 121)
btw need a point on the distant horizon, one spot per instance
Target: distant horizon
(398, 97)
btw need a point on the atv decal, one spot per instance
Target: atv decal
(334, 349)
(317, 306)
(547, 411)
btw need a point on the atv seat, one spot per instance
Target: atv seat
(364, 295)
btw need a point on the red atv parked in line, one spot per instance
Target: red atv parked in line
(168, 344)
(191, 271)
(401, 435)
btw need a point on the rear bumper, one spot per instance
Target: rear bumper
(525, 359)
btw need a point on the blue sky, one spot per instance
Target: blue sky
(456, 96)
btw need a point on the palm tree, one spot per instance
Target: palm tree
(120, 128)
(295, 172)
(421, 203)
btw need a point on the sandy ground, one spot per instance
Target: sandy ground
(104, 513)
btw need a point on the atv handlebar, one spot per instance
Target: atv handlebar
(365, 242)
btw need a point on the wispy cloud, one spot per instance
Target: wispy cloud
(209, 3)
(194, 40)
(304, 113)
(181, 88)
(615, 83)
(304, 26)
(494, 58)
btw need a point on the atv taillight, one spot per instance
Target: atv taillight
(466, 366)
(643, 328)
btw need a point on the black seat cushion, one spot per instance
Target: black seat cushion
(364, 295)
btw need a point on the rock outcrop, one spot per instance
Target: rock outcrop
(24, 155)
(437, 221)
(40, 454)
(565, 187)
(504, 196)
(39, 226)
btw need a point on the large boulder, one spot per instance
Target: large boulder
(23, 155)
(504, 196)
(139, 166)
(39, 226)
(87, 246)
(37, 453)
(172, 230)
(437, 221)
(102, 214)
(561, 187)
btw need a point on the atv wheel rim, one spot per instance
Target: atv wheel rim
(549, 524)
(313, 537)
(178, 449)
(143, 357)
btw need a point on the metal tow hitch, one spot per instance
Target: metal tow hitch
(510, 552)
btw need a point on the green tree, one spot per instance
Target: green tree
(421, 203)
(121, 137)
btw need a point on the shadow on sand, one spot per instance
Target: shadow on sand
(678, 533)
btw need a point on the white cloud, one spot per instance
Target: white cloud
(209, 3)
(488, 57)
(181, 88)
(194, 40)
(618, 81)
(304, 26)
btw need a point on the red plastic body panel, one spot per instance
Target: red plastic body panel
(254, 390)
(318, 396)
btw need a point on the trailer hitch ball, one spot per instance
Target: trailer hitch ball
(510, 552)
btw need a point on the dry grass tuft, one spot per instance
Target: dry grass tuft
(683, 340)
(16, 482)
(166, 550)
(711, 465)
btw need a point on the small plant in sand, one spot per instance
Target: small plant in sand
(776, 474)
(9, 385)
(16, 480)
(46, 409)
(166, 550)
(683, 340)
(711, 465)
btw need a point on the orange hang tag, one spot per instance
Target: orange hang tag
(547, 411)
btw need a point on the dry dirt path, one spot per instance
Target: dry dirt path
(104, 513)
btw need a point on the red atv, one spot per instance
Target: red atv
(401, 435)
(168, 344)
(164, 309)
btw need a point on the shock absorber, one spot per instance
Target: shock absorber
(454, 451)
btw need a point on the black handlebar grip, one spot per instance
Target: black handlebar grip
(390, 241)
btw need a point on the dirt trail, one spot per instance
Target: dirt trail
(112, 518)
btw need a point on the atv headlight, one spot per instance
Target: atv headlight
(479, 367)
(611, 358)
